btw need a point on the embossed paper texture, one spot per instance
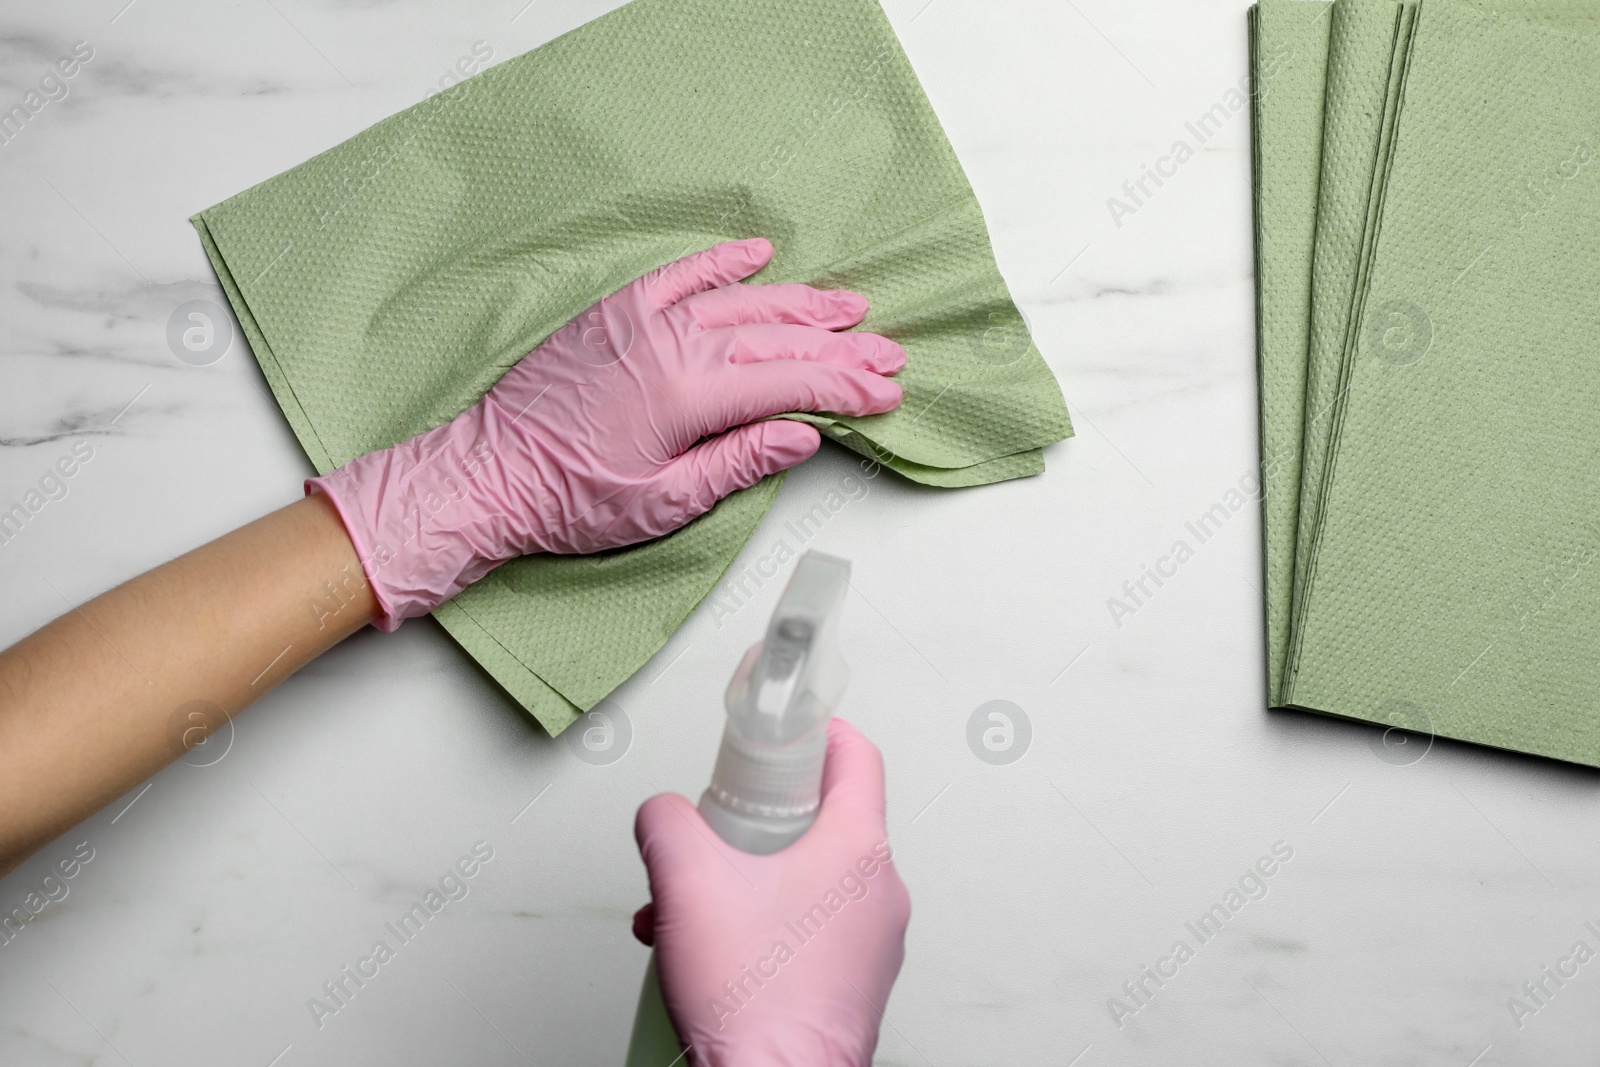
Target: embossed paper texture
(1449, 506)
(1289, 50)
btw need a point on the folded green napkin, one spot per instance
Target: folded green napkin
(386, 284)
(1451, 585)
(1366, 54)
(1289, 61)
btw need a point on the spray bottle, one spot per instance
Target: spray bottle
(768, 778)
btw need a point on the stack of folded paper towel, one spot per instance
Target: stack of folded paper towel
(1427, 224)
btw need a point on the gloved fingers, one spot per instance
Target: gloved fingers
(791, 302)
(719, 265)
(852, 782)
(674, 842)
(765, 342)
(739, 458)
(755, 391)
(644, 925)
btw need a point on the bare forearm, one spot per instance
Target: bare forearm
(571, 451)
(90, 704)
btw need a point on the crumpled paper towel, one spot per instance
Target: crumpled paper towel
(387, 283)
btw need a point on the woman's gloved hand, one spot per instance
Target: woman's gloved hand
(634, 418)
(784, 959)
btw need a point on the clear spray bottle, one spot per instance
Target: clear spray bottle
(768, 778)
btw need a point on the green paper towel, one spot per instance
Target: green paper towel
(1453, 583)
(386, 284)
(1367, 47)
(1289, 60)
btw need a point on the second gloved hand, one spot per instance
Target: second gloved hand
(631, 420)
(783, 960)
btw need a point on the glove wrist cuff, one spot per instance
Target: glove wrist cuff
(411, 514)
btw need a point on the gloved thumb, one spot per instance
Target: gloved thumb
(739, 458)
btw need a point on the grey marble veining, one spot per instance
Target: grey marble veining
(1423, 889)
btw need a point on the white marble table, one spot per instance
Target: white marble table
(1420, 895)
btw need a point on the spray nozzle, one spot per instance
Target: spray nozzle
(789, 683)
(765, 788)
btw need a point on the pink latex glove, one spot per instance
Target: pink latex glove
(632, 419)
(782, 959)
